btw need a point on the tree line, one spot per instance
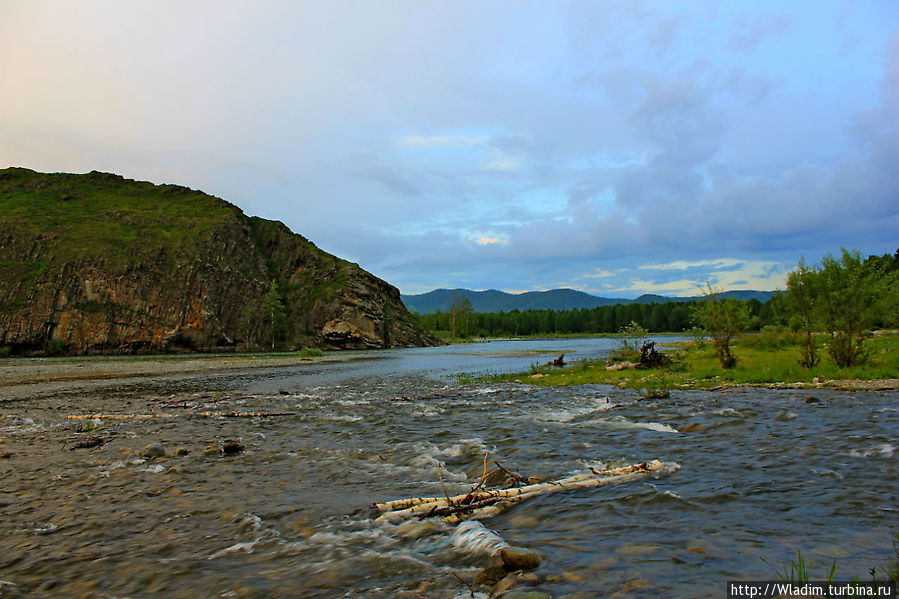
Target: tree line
(821, 298)
(663, 317)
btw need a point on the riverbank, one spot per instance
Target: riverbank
(766, 360)
(19, 375)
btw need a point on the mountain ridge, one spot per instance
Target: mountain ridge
(493, 300)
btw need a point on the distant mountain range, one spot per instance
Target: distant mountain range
(555, 299)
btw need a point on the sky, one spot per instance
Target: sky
(618, 148)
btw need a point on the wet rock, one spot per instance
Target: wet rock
(88, 443)
(212, 450)
(692, 428)
(519, 558)
(182, 451)
(511, 581)
(812, 399)
(527, 594)
(635, 584)
(632, 549)
(153, 451)
(491, 575)
(496, 478)
(230, 447)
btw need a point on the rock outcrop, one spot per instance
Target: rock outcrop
(97, 263)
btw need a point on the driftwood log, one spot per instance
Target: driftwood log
(479, 503)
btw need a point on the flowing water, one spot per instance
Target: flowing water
(756, 474)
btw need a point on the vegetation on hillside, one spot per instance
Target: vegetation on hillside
(103, 215)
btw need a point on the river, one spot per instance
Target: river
(754, 474)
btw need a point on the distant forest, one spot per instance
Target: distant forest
(667, 317)
(674, 317)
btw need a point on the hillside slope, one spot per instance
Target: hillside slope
(97, 263)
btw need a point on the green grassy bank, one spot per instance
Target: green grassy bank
(765, 359)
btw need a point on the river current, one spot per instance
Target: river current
(754, 475)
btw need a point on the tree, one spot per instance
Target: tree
(724, 319)
(275, 313)
(455, 308)
(848, 303)
(801, 302)
(465, 311)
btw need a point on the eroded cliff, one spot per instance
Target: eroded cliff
(97, 263)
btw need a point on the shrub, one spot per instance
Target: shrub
(54, 347)
(656, 391)
(724, 319)
(310, 352)
(632, 338)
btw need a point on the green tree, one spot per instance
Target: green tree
(801, 301)
(275, 314)
(465, 311)
(724, 319)
(848, 301)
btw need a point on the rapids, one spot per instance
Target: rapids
(763, 474)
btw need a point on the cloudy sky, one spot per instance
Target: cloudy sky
(613, 147)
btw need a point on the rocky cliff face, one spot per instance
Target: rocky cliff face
(99, 264)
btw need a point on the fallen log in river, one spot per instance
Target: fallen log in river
(486, 503)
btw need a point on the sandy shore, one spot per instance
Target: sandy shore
(20, 377)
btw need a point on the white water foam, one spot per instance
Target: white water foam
(344, 418)
(575, 412)
(883, 450)
(623, 423)
(473, 537)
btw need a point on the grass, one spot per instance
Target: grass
(800, 570)
(86, 216)
(766, 359)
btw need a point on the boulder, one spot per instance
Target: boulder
(153, 451)
(519, 558)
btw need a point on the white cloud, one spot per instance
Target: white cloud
(598, 273)
(506, 163)
(684, 264)
(484, 240)
(680, 288)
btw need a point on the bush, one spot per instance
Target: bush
(5, 351)
(654, 391)
(54, 347)
(310, 352)
(724, 319)
(632, 338)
